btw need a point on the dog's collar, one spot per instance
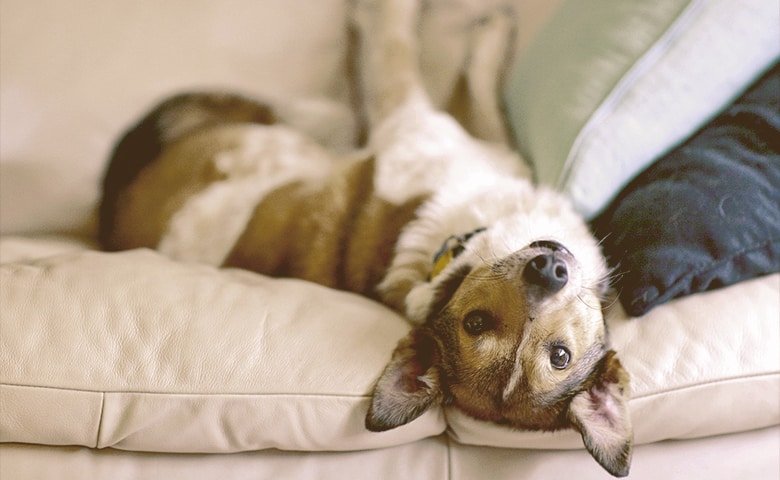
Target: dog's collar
(451, 248)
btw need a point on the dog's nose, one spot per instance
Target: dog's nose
(548, 271)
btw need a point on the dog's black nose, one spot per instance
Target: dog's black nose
(548, 271)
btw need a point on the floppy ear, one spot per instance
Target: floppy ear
(409, 384)
(601, 415)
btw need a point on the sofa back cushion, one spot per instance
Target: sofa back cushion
(74, 75)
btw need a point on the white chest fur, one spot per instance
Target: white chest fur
(419, 150)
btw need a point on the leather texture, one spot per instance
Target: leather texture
(141, 353)
(153, 355)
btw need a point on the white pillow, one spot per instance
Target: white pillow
(133, 351)
(605, 90)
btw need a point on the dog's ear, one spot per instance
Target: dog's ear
(601, 415)
(409, 385)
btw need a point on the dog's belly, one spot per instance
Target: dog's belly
(266, 199)
(195, 199)
(340, 234)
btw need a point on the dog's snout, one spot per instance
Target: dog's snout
(549, 244)
(548, 271)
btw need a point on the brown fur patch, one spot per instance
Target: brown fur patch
(371, 249)
(266, 244)
(339, 235)
(143, 144)
(144, 209)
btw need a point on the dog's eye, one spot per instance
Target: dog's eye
(477, 322)
(559, 357)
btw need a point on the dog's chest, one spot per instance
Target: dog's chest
(421, 151)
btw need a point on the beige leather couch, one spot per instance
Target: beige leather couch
(130, 365)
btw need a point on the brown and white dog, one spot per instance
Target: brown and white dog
(502, 280)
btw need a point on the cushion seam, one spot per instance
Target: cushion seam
(645, 395)
(692, 386)
(448, 460)
(708, 268)
(190, 394)
(100, 419)
(625, 82)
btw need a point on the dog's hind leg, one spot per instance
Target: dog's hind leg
(490, 44)
(390, 72)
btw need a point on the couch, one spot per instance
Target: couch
(130, 365)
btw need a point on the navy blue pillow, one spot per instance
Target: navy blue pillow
(705, 215)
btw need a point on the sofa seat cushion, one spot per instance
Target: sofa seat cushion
(17, 248)
(136, 352)
(133, 351)
(750, 455)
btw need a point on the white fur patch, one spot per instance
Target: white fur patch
(515, 215)
(516, 375)
(421, 149)
(418, 302)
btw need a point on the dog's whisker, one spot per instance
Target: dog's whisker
(598, 307)
(603, 239)
(613, 302)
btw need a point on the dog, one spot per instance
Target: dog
(502, 281)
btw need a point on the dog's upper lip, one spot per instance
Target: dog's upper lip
(550, 245)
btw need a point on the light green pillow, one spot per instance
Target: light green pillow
(609, 86)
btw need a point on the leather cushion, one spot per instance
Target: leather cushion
(136, 352)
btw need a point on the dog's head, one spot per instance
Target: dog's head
(520, 341)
